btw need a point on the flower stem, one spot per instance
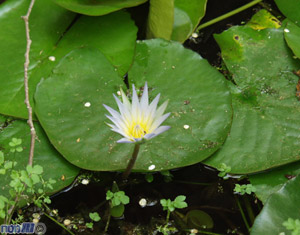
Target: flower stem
(132, 161)
(227, 15)
(59, 224)
(242, 212)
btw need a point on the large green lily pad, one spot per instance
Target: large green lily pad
(281, 206)
(97, 7)
(292, 37)
(54, 165)
(44, 32)
(198, 97)
(69, 107)
(290, 8)
(269, 182)
(266, 122)
(48, 45)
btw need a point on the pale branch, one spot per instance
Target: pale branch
(26, 66)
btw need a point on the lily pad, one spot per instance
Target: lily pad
(267, 183)
(199, 102)
(2, 120)
(274, 214)
(54, 165)
(266, 121)
(263, 20)
(292, 37)
(290, 9)
(187, 15)
(44, 32)
(50, 45)
(176, 19)
(97, 7)
(69, 107)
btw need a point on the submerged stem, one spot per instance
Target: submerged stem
(242, 212)
(131, 162)
(227, 15)
(58, 223)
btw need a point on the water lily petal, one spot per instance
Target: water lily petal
(145, 99)
(124, 140)
(125, 100)
(159, 121)
(161, 129)
(161, 109)
(125, 113)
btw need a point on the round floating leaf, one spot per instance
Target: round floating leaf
(97, 7)
(290, 8)
(199, 103)
(274, 214)
(187, 15)
(270, 182)
(44, 32)
(49, 46)
(266, 122)
(199, 219)
(54, 165)
(69, 106)
(292, 37)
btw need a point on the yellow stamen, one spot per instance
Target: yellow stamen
(137, 130)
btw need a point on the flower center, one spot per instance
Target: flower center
(137, 130)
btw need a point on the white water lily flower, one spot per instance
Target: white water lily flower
(137, 120)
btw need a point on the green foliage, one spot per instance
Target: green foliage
(117, 198)
(293, 225)
(224, 170)
(174, 19)
(262, 67)
(168, 177)
(200, 121)
(170, 206)
(94, 216)
(290, 9)
(45, 33)
(244, 188)
(98, 7)
(53, 165)
(117, 201)
(21, 181)
(292, 37)
(75, 82)
(272, 218)
(52, 40)
(178, 203)
(14, 145)
(267, 183)
(149, 178)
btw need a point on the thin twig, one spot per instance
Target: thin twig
(26, 66)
